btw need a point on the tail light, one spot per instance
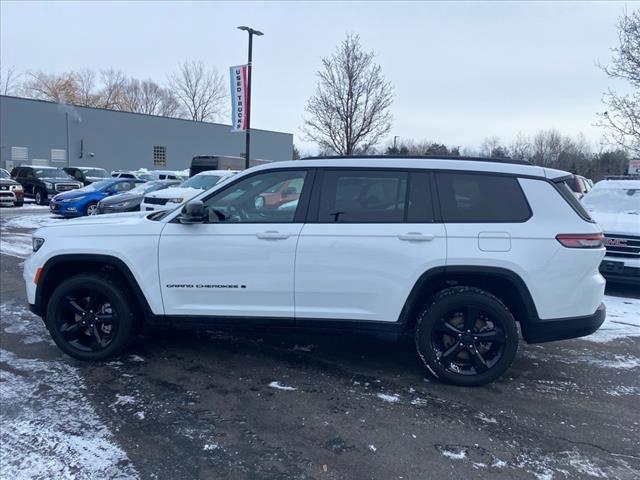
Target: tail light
(581, 240)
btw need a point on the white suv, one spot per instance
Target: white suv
(454, 251)
(615, 205)
(167, 199)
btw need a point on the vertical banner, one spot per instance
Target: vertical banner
(238, 98)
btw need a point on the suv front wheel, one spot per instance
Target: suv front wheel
(41, 197)
(90, 317)
(467, 336)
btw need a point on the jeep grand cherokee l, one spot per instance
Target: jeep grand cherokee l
(455, 252)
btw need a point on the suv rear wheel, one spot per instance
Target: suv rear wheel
(90, 317)
(467, 336)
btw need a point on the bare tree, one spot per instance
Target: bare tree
(85, 88)
(59, 88)
(622, 119)
(349, 112)
(199, 90)
(9, 81)
(170, 106)
(113, 83)
(520, 147)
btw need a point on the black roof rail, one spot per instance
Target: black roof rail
(429, 157)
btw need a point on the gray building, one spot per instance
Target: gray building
(46, 133)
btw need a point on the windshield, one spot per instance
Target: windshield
(95, 172)
(203, 182)
(96, 186)
(4, 174)
(50, 173)
(613, 200)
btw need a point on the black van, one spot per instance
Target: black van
(202, 163)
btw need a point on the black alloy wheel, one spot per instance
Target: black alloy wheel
(466, 336)
(91, 317)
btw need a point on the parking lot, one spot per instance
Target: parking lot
(261, 404)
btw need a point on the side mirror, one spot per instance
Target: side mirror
(192, 212)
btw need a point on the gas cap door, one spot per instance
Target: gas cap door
(494, 241)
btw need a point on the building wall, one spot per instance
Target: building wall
(120, 140)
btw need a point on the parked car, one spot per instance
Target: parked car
(11, 192)
(287, 191)
(579, 185)
(167, 175)
(455, 252)
(171, 198)
(615, 205)
(40, 183)
(84, 200)
(130, 201)
(87, 175)
(140, 175)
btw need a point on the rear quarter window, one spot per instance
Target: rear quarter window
(481, 198)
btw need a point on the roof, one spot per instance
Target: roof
(618, 184)
(435, 163)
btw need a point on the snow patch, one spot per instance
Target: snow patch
(17, 319)
(623, 320)
(49, 428)
(454, 454)
(388, 398)
(372, 448)
(622, 390)
(279, 386)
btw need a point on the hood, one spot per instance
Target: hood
(8, 181)
(622, 223)
(175, 192)
(72, 194)
(122, 197)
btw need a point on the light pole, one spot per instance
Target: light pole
(247, 134)
(395, 148)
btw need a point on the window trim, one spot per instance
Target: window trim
(303, 202)
(494, 174)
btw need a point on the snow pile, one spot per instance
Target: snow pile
(18, 244)
(388, 398)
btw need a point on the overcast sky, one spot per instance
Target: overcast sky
(461, 71)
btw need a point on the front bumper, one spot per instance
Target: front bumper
(553, 329)
(66, 210)
(101, 209)
(621, 270)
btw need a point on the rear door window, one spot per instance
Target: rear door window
(363, 196)
(481, 198)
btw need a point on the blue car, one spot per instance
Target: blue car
(83, 201)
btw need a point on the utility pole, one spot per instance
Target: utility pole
(247, 133)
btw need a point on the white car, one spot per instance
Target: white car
(615, 205)
(172, 197)
(456, 252)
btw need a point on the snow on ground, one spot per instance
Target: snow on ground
(18, 244)
(388, 398)
(623, 320)
(49, 430)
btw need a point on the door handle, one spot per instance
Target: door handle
(273, 235)
(416, 237)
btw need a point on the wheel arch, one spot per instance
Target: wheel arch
(505, 284)
(60, 267)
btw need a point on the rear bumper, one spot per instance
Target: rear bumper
(553, 329)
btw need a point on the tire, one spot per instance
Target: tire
(91, 317)
(449, 335)
(90, 208)
(19, 203)
(41, 197)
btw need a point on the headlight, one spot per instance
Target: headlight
(74, 199)
(124, 204)
(48, 185)
(17, 188)
(175, 200)
(37, 243)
